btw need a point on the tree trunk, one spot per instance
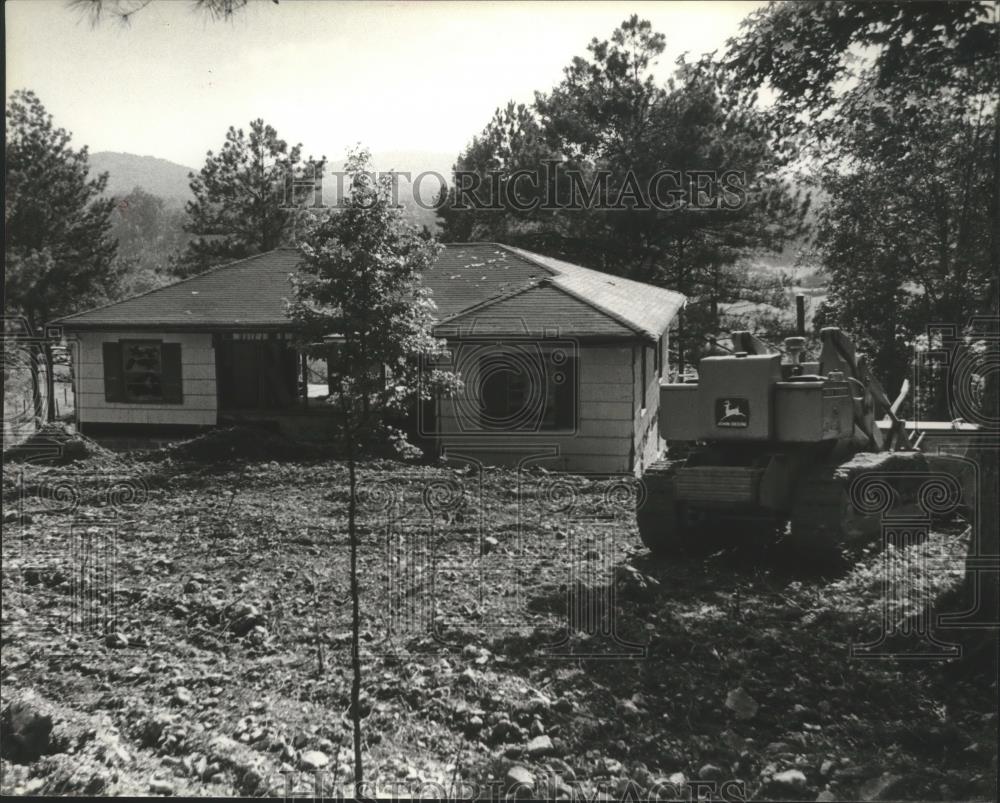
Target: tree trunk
(36, 388)
(355, 615)
(50, 383)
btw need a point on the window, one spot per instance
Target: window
(521, 390)
(142, 372)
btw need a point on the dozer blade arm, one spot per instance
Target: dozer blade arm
(904, 391)
(838, 354)
(750, 343)
(898, 438)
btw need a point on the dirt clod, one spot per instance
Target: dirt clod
(27, 729)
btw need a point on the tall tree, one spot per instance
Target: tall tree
(59, 255)
(360, 282)
(925, 255)
(247, 198)
(614, 132)
(150, 236)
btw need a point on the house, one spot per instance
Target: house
(559, 362)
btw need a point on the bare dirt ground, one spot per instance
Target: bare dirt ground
(179, 624)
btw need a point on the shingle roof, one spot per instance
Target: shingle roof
(642, 306)
(466, 274)
(538, 310)
(246, 293)
(492, 281)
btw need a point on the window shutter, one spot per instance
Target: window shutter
(642, 356)
(566, 396)
(114, 385)
(173, 390)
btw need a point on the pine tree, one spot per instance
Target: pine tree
(248, 198)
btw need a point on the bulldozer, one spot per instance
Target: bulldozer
(767, 442)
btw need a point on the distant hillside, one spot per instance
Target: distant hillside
(169, 180)
(126, 171)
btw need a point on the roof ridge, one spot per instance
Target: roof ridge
(488, 302)
(511, 249)
(168, 286)
(578, 296)
(624, 279)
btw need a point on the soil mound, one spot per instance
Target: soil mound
(57, 444)
(239, 443)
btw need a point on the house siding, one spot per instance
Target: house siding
(604, 432)
(199, 406)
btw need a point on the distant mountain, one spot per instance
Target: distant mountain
(169, 180)
(126, 171)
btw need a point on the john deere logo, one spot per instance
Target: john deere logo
(732, 412)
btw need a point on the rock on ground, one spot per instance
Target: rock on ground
(25, 729)
(790, 779)
(741, 704)
(519, 780)
(314, 760)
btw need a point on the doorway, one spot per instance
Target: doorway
(256, 372)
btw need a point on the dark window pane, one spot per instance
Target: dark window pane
(142, 373)
(522, 391)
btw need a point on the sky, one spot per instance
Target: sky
(413, 76)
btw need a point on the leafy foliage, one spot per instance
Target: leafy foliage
(150, 235)
(247, 198)
(896, 105)
(360, 281)
(807, 51)
(925, 255)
